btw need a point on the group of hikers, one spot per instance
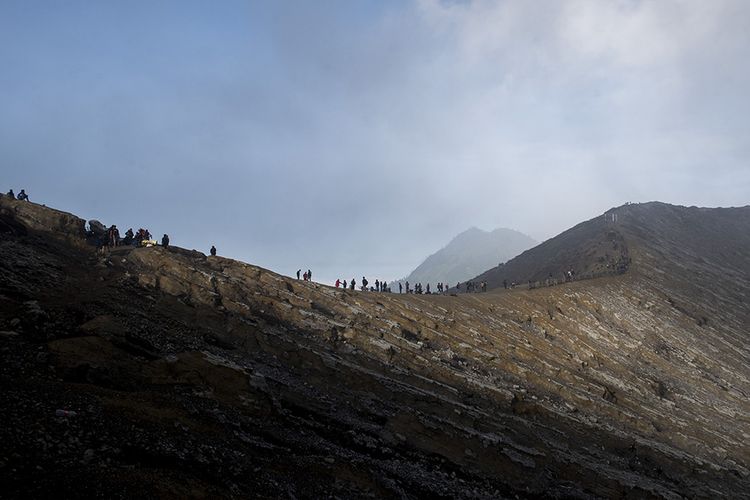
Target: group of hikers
(21, 195)
(380, 286)
(106, 238)
(110, 237)
(418, 289)
(473, 287)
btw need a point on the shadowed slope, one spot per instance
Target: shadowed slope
(206, 376)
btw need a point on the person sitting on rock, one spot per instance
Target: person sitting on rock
(23, 196)
(12, 194)
(213, 250)
(165, 240)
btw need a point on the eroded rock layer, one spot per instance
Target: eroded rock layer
(199, 376)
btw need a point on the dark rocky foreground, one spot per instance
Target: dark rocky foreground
(195, 376)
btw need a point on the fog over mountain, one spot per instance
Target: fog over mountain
(325, 128)
(469, 254)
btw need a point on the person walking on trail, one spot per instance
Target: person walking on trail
(338, 282)
(298, 271)
(165, 240)
(23, 196)
(213, 251)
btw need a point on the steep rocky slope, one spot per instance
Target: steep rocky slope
(197, 376)
(468, 254)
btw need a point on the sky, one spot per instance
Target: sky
(358, 137)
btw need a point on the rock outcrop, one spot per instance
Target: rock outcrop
(202, 376)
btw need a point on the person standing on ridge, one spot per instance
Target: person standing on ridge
(400, 287)
(353, 284)
(165, 240)
(309, 275)
(213, 251)
(113, 234)
(298, 271)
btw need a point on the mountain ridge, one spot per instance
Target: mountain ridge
(194, 375)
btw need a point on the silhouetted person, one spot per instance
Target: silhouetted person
(128, 237)
(23, 196)
(400, 287)
(309, 275)
(11, 194)
(113, 234)
(298, 271)
(165, 241)
(353, 284)
(213, 250)
(505, 284)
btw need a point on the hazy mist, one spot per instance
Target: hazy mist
(356, 138)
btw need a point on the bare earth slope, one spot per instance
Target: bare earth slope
(197, 376)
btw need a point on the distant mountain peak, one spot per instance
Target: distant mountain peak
(470, 253)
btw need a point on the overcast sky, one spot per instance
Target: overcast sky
(358, 137)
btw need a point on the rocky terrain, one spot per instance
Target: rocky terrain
(186, 376)
(469, 254)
